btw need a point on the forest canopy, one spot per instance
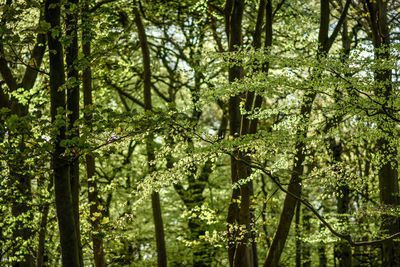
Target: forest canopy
(199, 133)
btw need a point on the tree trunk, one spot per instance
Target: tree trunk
(233, 22)
(325, 43)
(323, 261)
(64, 205)
(155, 198)
(342, 248)
(306, 252)
(298, 235)
(93, 195)
(42, 235)
(71, 56)
(387, 172)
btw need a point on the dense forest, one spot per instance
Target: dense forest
(199, 133)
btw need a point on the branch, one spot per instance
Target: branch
(342, 18)
(346, 237)
(6, 71)
(214, 31)
(158, 92)
(33, 67)
(122, 92)
(278, 6)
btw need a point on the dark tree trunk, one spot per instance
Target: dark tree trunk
(155, 198)
(306, 250)
(246, 248)
(71, 56)
(42, 235)
(342, 248)
(62, 184)
(233, 21)
(387, 173)
(93, 195)
(298, 235)
(323, 261)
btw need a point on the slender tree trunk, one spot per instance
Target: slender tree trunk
(42, 235)
(387, 172)
(298, 235)
(342, 248)
(362, 255)
(71, 56)
(233, 21)
(246, 248)
(323, 261)
(306, 251)
(155, 197)
(93, 195)
(43, 229)
(62, 184)
(325, 43)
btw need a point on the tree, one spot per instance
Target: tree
(307, 90)
(64, 204)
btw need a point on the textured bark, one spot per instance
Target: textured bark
(93, 195)
(155, 198)
(64, 205)
(387, 173)
(71, 57)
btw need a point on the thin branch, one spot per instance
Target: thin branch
(342, 18)
(278, 6)
(122, 92)
(158, 92)
(346, 237)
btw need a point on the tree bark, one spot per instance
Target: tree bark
(233, 21)
(71, 57)
(42, 235)
(64, 204)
